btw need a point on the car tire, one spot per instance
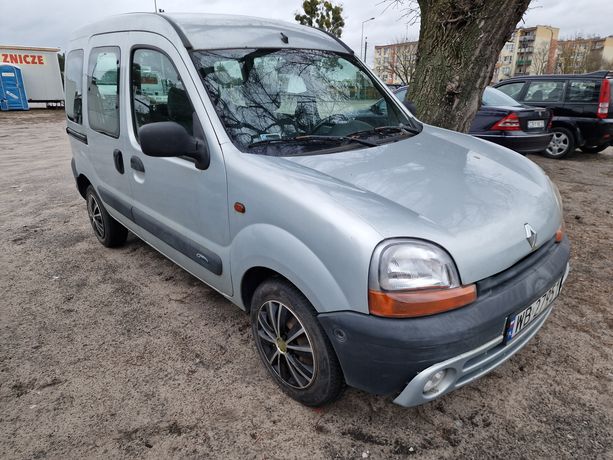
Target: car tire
(562, 143)
(108, 231)
(292, 344)
(594, 148)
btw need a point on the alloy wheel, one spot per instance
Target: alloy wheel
(286, 345)
(559, 144)
(95, 215)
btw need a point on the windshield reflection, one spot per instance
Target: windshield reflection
(275, 94)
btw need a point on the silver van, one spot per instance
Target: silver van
(369, 249)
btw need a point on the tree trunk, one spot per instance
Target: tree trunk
(459, 43)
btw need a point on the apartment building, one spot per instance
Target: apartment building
(529, 51)
(582, 54)
(395, 63)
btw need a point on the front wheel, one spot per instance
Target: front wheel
(293, 346)
(594, 148)
(562, 143)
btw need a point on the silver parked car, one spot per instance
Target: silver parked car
(377, 252)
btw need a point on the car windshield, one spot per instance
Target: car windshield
(495, 97)
(298, 101)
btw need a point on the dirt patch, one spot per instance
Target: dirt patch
(120, 353)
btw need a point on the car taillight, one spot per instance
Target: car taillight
(508, 123)
(603, 100)
(550, 124)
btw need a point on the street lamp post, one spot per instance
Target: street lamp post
(362, 54)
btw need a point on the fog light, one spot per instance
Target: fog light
(432, 384)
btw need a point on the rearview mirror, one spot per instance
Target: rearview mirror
(170, 139)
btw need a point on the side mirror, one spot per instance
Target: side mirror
(170, 139)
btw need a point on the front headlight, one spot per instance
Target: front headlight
(416, 265)
(411, 278)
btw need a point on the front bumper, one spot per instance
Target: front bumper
(520, 142)
(385, 355)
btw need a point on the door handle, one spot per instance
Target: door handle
(136, 164)
(118, 160)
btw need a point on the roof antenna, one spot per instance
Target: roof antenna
(156, 9)
(284, 38)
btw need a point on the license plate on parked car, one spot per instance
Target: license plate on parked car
(520, 321)
(536, 124)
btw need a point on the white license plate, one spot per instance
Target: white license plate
(536, 124)
(520, 321)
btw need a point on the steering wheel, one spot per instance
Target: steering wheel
(331, 121)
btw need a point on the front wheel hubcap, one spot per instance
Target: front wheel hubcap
(285, 345)
(559, 144)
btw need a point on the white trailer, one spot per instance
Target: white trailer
(40, 69)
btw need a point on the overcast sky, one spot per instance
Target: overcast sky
(50, 22)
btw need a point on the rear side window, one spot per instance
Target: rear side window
(158, 94)
(103, 90)
(492, 97)
(544, 91)
(583, 91)
(74, 86)
(512, 89)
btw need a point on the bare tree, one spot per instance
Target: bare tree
(540, 59)
(401, 63)
(459, 43)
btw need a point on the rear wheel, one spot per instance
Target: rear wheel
(562, 143)
(293, 346)
(108, 231)
(594, 148)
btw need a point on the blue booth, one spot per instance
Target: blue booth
(12, 92)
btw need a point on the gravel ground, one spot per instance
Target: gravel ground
(120, 353)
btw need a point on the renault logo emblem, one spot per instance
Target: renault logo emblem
(530, 235)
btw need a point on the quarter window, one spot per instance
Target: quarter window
(583, 91)
(74, 86)
(545, 91)
(103, 90)
(158, 94)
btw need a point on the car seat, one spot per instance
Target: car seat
(180, 109)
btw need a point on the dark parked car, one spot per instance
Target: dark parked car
(504, 121)
(582, 107)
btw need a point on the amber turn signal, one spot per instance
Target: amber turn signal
(424, 302)
(560, 234)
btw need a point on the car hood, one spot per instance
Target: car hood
(470, 196)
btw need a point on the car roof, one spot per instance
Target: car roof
(599, 75)
(217, 31)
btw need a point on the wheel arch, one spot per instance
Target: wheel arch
(252, 278)
(572, 127)
(82, 183)
(261, 251)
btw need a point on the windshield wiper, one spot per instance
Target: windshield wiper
(310, 138)
(385, 130)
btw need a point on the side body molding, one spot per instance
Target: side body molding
(199, 254)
